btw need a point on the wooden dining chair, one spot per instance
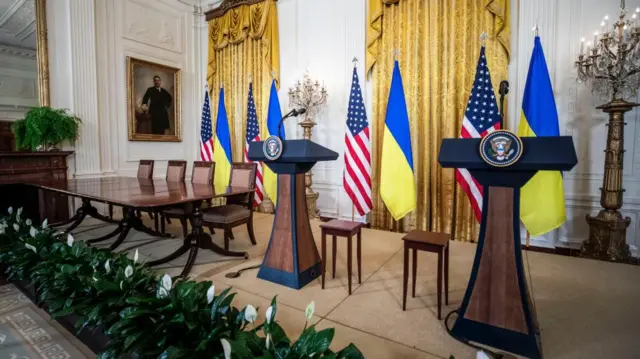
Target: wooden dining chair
(145, 171)
(239, 209)
(202, 173)
(176, 171)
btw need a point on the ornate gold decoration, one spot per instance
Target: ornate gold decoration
(42, 52)
(308, 95)
(608, 230)
(228, 5)
(612, 67)
(177, 108)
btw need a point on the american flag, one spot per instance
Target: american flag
(481, 118)
(357, 156)
(206, 136)
(253, 134)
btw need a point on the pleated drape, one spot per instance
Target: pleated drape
(438, 45)
(243, 46)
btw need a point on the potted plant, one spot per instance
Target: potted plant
(44, 128)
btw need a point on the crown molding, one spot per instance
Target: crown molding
(227, 5)
(18, 51)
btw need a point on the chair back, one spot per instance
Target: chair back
(145, 169)
(202, 172)
(176, 171)
(243, 175)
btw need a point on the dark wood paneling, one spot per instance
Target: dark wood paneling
(308, 254)
(280, 254)
(496, 298)
(19, 167)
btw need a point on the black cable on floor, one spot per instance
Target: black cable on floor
(239, 272)
(464, 341)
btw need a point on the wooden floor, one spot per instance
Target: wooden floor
(586, 308)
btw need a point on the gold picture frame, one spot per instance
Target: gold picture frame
(150, 84)
(42, 52)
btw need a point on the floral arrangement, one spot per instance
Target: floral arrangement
(141, 313)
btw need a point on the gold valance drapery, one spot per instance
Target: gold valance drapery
(438, 44)
(234, 21)
(501, 27)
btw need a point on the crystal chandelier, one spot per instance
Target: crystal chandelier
(611, 63)
(307, 94)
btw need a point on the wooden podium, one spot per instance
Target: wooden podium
(496, 309)
(292, 257)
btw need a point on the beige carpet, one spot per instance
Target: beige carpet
(587, 309)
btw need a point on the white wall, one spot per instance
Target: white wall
(89, 43)
(18, 82)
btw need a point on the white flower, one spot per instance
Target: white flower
(121, 282)
(166, 282)
(165, 286)
(94, 278)
(33, 232)
(128, 272)
(18, 217)
(135, 257)
(1, 230)
(481, 355)
(45, 223)
(31, 247)
(211, 293)
(28, 222)
(226, 348)
(20, 211)
(310, 309)
(16, 226)
(250, 313)
(269, 314)
(268, 340)
(107, 267)
(70, 240)
(10, 210)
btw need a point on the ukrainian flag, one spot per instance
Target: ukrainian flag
(542, 206)
(273, 117)
(222, 148)
(397, 185)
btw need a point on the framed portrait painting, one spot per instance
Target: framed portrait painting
(153, 101)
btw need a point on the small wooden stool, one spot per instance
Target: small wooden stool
(429, 242)
(343, 229)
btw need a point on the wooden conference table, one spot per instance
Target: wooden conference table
(134, 195)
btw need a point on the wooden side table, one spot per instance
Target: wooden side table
(343, 229)
(429, 242)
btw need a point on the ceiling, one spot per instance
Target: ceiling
(17, 23)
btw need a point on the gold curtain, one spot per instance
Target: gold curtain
(243, 44)
(439, 44)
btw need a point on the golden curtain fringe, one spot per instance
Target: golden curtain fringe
(438, 45)
(258, 22)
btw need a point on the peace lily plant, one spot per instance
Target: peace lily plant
(142, 313)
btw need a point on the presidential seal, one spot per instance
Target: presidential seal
(501, 148)
(272, 148)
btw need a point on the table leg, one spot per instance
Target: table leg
(93, 212)
(110, 235)
(415, 273)
(349, 255)
(446, 275)
(359, 258)
(197, 239)
(405, 277)
(81, 214)
(439, 285)
(324, 256)
(334, 249)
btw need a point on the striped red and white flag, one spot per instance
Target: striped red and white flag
(480, 118)
(357, 153)
(206, 134)
(253, 134)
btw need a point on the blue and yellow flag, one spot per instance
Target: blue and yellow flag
(397, 184)
(222, 148)
(273, 117)
(542, 206)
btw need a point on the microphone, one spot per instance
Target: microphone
(292, 113)
(502, 91)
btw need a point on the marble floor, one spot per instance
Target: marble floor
(586, 308)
